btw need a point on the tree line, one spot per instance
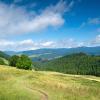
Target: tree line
(81, 64)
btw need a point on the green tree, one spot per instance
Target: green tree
(24, 62)
(79, 63)
(13, 60)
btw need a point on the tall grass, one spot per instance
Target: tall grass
(18, 84)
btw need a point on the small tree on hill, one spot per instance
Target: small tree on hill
(13, 60)
(24, 62)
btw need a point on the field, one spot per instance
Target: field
(18, 84)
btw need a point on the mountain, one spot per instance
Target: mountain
(38, 54)
(79, 63)
(10, 52)
(49, 54)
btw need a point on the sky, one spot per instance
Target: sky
(35, 24)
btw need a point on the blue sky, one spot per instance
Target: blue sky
(34, 24)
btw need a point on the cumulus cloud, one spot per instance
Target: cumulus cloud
(31, 45)
(17, 20)
(17, 45)
(47, 44)
(24, 45)
(69, 43)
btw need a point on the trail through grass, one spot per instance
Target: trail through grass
(18, 84)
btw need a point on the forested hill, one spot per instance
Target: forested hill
(4, 55)
(79, 63)
(4, 58)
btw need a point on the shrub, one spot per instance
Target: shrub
(13, 60)
(24, 62)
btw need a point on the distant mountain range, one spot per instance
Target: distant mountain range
(55, 53)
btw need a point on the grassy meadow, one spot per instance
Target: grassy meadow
(17, 84)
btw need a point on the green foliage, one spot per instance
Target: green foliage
(24, 62)
(2, 62)
(3, 55)
(13, 60)
(73, 64)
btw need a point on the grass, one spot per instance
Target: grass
(5, 61)
(18, 84)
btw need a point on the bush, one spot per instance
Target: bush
(13, 60)
(24, 62)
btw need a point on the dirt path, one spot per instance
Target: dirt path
(44, 96)
(86, 77)
(91, 79)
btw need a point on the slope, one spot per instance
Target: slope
(18, 84)
(79, 63)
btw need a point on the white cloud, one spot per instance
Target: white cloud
(68, 43)
(24, 45)
(98, 38)
(48, 43)
(31, 45)
(61, 7)
(18, 45)
(16, 20)
(96, 41)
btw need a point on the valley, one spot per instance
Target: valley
(49, 49)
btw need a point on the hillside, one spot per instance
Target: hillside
(79, 63)
(49, 54)
(18, 84)
(38, 54)
(4, 58)
(4, 55)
